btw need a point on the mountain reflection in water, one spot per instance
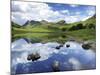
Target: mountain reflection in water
(70, 58)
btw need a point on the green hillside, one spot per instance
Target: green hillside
(60, 31)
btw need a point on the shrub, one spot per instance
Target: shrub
(91, 26)
(63, 29)
(73, 28)
(80, 26)
(77, 27)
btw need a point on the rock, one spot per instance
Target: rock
(55, 66)
(68, 45)
(86, 46)
(37, 56)
(58, 47)
(33, 57)
(89, 45)
(29, 57)
(61, 46)
(93, 47)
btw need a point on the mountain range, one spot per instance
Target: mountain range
(62, 23)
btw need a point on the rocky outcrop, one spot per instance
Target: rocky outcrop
(68, 45)
(33, 57)
(89, 45)
(58, 47)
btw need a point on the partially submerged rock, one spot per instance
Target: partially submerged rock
(68, 45)
(86, 46)
(89, 45)
(29, 57)
(33, 57)
(58, 47)
(56, 66)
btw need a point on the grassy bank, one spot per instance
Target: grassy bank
(78, 35)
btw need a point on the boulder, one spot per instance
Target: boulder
(33, 56)
(29, 57)
(36, 57)
(68, 45)
(58, 47)
(86, 46)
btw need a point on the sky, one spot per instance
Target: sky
(51, 12)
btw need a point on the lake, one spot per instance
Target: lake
(70, 58)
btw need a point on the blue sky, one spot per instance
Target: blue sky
(71, 8)
(52, 12)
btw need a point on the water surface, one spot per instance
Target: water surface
(71, 58)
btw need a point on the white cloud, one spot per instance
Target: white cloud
(85, 18)
(91, 10)
(32, 11)
(21, 49)
(65, 11)
(78, 13)
(23, 11)
(73, 5)
(75, 63)
(71, 19)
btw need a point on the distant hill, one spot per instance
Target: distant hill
(15, 25)
(32, 22)
(44, 22)
(91, 20)
(61, 22)
(88, 23)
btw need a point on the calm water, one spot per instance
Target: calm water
(71, 58)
